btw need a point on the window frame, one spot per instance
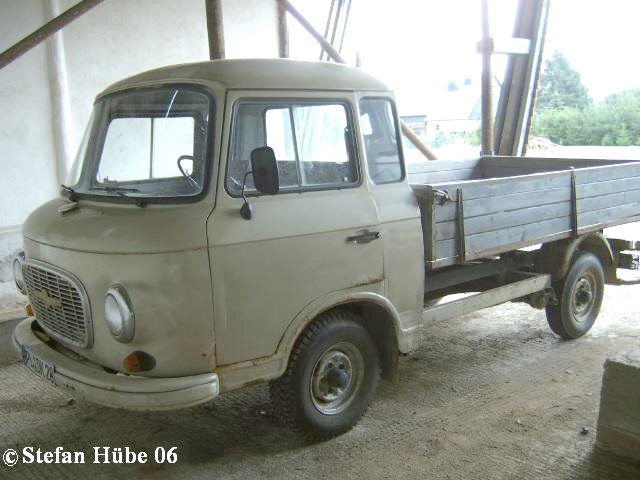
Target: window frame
(98, 133)
(287, 102)
(396, 126)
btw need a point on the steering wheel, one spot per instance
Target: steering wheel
(190, 180)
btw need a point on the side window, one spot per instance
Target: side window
(312, 143)
(381, 141)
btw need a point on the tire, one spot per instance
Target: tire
(332, 375)
(580, 296)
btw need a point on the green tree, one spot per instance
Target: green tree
(613, 122)
(560, 86)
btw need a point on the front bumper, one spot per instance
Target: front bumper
(90, 382)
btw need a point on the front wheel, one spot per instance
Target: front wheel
(580, 297)
(332, 375)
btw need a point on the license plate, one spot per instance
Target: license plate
(38, 366)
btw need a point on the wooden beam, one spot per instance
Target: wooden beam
(44, 32)
(335, 55)
(215, 29)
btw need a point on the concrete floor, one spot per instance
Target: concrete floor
(492, 395)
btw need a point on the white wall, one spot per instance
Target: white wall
(116, 39)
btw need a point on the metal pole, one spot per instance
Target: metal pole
(64, 139)
(44, 32)
(335, 55)
(487, 81)
(215, 29)
(328, 26)
(283, 32)
(293, 11)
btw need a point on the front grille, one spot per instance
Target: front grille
(59, 303)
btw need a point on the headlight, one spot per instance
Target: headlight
(119, 314)
(17, 273)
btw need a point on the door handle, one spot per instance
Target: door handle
(364, 237)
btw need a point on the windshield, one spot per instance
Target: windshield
(144, 144)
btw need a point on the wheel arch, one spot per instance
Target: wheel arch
(556, 257)
(379, 317)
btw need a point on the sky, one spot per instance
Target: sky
(418, 46)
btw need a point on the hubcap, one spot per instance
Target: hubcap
(583, 298)
(336, 378)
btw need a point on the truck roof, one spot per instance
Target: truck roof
(261, 74)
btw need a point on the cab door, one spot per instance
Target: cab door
(318, 235)
(398, 210)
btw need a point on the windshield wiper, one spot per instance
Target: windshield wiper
(117, 190)
(140, 202)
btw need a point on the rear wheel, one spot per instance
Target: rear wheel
(332, 375)
(580, 296)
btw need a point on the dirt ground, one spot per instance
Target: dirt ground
(492, 395)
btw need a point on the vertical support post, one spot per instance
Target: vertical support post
(215, 29)
(283, 32)
(462, 244)
(62, 124)
(428, 217)
(518, 92)
(574, 203)
(487, 83)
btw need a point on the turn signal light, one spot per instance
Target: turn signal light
(29, 310)
(138, 362)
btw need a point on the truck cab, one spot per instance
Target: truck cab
(152, 288)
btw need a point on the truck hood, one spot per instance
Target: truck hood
(119, 228)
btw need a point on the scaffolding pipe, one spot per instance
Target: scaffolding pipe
(215, 29)
(335, 55)
(44, 32)
(283, 32)
(62, 123)
(487, 83)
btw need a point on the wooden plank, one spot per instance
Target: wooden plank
(503, 172)
(612, 214)
(446, 249)
(611, 223)
(501, 220)
(445, 176)
(605, 201)
(506, 203)
(532, 233)
(547, 163)
(442, 165)
(512, 166)
(448, 261)
(502, 240)
(494, 187)
(598, 189)
(609, 172)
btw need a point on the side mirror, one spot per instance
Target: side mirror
(265, 170)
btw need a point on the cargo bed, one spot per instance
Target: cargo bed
(478, 208)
